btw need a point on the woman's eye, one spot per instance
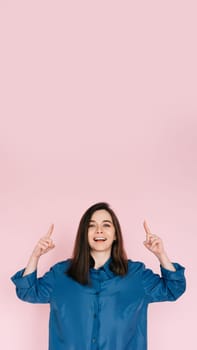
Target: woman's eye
(107, 225)
(90, 225)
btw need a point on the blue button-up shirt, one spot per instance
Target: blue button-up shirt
(111, 314)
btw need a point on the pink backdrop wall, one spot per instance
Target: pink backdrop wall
(98, 102)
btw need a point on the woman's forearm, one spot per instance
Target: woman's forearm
(32, 265)
(165, 262)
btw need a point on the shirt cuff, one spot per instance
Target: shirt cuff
(173, 275)
(24, 281)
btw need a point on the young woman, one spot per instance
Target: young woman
(98, 298)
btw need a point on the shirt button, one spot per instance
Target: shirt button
(94, 340)
(95, 315)
(97, 293)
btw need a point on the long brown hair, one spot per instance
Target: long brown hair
(81, 258)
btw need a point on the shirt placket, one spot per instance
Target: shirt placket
(96, 311)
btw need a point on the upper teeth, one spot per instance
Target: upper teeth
(99, 239)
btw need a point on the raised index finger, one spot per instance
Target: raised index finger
(49, 233)
(148, 232)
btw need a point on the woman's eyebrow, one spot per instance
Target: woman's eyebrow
(103, 221)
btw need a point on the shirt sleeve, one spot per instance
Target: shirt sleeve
(32, 289)
(167, 287)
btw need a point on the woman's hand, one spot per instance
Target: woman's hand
(155, 245)
(44, 244)
(153, 242)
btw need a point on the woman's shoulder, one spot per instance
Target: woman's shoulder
(61, 265)
(135, 265)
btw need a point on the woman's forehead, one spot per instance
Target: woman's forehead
(101, 214)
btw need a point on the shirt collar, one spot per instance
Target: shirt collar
(105, 269)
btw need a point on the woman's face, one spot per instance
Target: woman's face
(101, 231)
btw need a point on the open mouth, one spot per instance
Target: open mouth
(101, 239)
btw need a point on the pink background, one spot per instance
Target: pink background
(98, 103)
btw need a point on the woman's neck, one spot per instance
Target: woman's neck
(100, 258)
